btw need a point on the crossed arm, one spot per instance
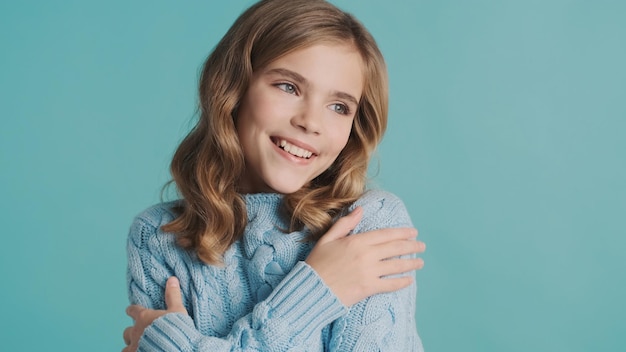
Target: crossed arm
(355, 272)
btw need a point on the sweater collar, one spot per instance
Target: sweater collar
(262, 202)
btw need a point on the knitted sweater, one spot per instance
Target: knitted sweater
(265, 297)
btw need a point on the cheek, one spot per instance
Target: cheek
(252, 119)
(266, 112)
(340, 136)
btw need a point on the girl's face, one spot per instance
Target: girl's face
(296, 116)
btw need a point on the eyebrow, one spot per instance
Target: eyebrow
(303, 81)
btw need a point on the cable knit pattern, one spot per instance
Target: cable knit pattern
(265, 297)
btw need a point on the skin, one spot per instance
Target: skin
(308, 98)
(144, 317)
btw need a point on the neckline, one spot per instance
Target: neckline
(262, 204)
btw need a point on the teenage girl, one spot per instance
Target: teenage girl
(256, 256)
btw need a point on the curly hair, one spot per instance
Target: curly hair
(209, 162)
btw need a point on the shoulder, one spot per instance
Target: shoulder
(146, 227)
(381, 209)
(152, 255)
(157, 215)
(377, 198)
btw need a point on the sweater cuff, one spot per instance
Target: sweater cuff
(170, 332)
(303, 303)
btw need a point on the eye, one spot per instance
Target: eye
(342, 109)
(287, 87)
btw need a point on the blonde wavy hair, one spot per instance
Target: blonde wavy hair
(209, 162)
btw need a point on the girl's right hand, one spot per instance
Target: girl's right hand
(354, 267)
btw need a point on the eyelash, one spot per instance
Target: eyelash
(346, 109)
(292, 89)
(286, 87)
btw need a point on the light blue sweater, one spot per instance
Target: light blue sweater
(265, 297)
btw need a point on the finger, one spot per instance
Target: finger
(399, 266)
(399, 248)
(173, 297)
(134, 311)
(388, 235)
(343, 226)
(395, 284)
(130, 348)
(126, 335)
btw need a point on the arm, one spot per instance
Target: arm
(339, 272)
(385, 321)
(298, 307)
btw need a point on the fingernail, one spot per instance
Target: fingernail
(173, 282)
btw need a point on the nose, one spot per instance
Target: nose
(308, 118)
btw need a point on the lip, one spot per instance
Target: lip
(292, 158)
(297, 143)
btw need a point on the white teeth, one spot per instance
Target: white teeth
(299, 152)
(293, 150)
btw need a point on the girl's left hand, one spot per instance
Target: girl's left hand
(144, 316)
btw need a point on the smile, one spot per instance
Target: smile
(293, 150)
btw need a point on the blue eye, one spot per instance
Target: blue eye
(340, 109)
(287, 87)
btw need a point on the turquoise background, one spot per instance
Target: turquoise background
(506, 141)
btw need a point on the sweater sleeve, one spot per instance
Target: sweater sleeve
(298, 307)
(383, 322)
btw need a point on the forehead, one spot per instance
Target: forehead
(334, 66)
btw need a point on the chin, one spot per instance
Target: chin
(286, 188)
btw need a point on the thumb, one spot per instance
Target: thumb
(343, 226)
(173, 297)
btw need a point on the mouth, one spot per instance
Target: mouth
(292, 149)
